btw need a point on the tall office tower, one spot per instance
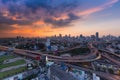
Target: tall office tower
(81, 36)
(97, 35)
(60, 35)
(69, 35)
(55, 36)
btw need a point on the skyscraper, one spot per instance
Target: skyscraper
(60, 35)
(97, 35)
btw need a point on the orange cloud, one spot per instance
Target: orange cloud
(15, 25)
(40, 22)
(31, 31)
(5, 13)
(47, 30)
(96, 9)
(63, 17)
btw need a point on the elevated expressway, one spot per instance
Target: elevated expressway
(92, 56)
(105, 54)
(86, 58)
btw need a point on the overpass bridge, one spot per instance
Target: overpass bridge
(70, 59)
(34, 55)
(104, 54)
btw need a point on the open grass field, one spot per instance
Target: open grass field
(78, 51)
(5, 57)
(18, 62)
(11, 72)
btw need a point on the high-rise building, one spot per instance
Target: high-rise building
(69, 35)
(60, 35)
(97, 35)
(81, 36)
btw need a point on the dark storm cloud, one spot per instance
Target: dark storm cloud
(6, 27)
(61, 22)
(52, 8)
(8, 21)
(6, 1)
(36, 4)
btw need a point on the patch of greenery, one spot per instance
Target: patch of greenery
(5, 57)
(78, 51)
(18, 62)
(11, 72)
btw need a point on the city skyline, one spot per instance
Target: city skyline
(41, 18)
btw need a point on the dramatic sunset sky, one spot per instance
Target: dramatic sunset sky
(31, 18)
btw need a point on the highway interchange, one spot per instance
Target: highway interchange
(97, 53)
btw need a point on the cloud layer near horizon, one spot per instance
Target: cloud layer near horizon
(40, 13)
